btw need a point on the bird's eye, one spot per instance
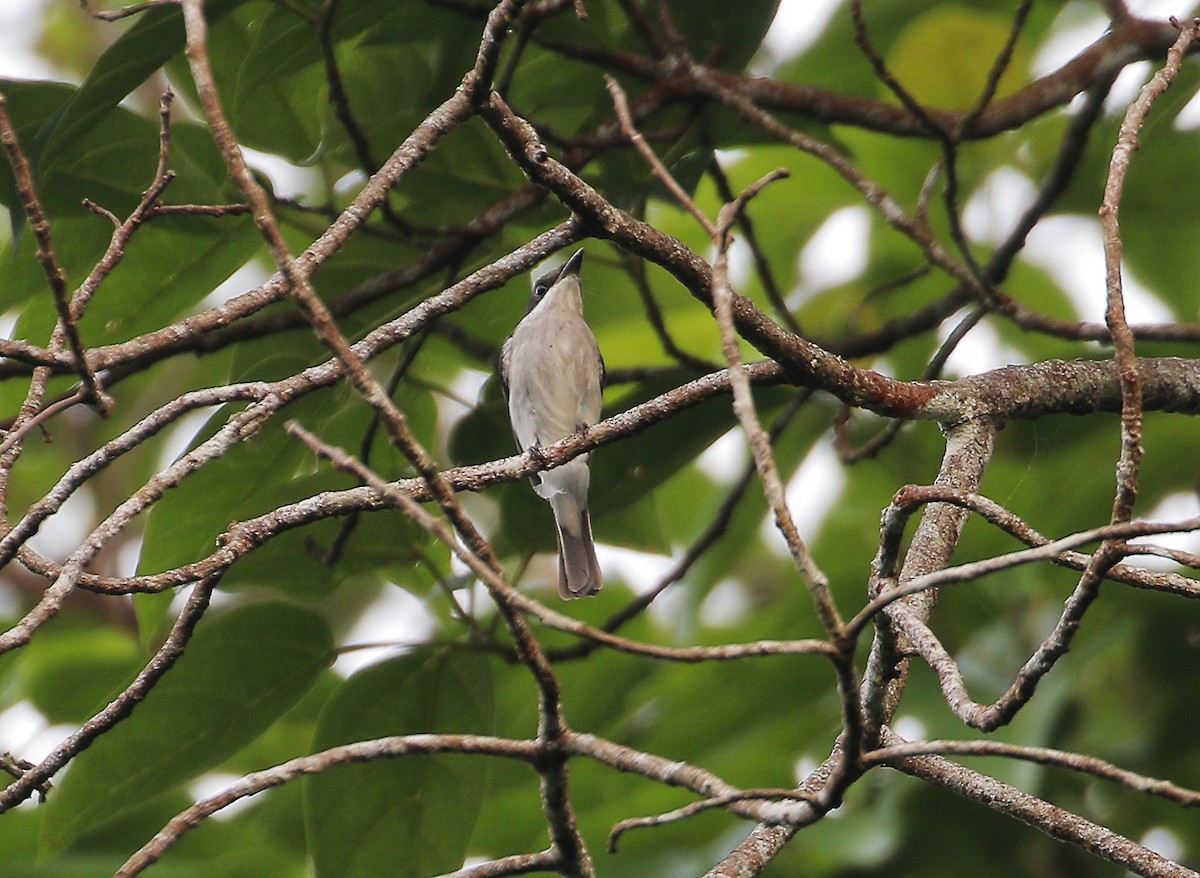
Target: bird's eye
(540, 290)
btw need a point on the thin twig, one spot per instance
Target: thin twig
(496, 581)
(621, 105)
(1042, 756)
(1122, 338)
(125, 11)
(761, 265)
(515, 864)
(121, 706)
(15, 435)
(700, 807)
(757, 437)
(1047, 551)
(654, 315)
(146, 207)
(55, 275)
(199, 210)
(318, 763)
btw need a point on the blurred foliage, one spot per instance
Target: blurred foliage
(254, 687)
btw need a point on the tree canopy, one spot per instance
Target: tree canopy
(894, 482)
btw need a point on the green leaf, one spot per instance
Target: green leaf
(473, 165)
(725, 40)
(272, 469)
(242, 670)
(127, 63)
(280, 112)
(411, 816)
(964, 40)
(30, 105)
(69, 674)
(183, 524)
(112, 167)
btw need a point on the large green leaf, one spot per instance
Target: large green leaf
(143, 49)
(29, 105)
(70, 674)
(275, 113)
(1157, 251)
(967, 40)
(272, 469)
(112, 168)
(411, 816)
(242, 670)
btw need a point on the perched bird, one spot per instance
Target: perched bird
(552, 372)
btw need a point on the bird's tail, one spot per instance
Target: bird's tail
(578, 569)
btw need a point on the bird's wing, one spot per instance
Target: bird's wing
(505, 359)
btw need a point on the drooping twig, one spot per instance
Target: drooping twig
(55, 275)
(660, 171)
(1122, 338)
(121, 706)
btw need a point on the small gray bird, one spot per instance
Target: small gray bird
(552, 372)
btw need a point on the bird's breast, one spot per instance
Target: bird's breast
(554, 378)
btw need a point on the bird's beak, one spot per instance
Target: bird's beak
(571, 266)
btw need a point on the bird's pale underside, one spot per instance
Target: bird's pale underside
(552, 374)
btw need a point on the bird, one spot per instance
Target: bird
(552, 375)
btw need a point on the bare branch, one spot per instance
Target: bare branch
(760, 444)
(1042, 756)
(517, 864)
(318, 763)
(1057, 822)
(125, 11)
(121, 706)
(67, 327)
(621, 105)
(700, 807)
(1122, 337)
